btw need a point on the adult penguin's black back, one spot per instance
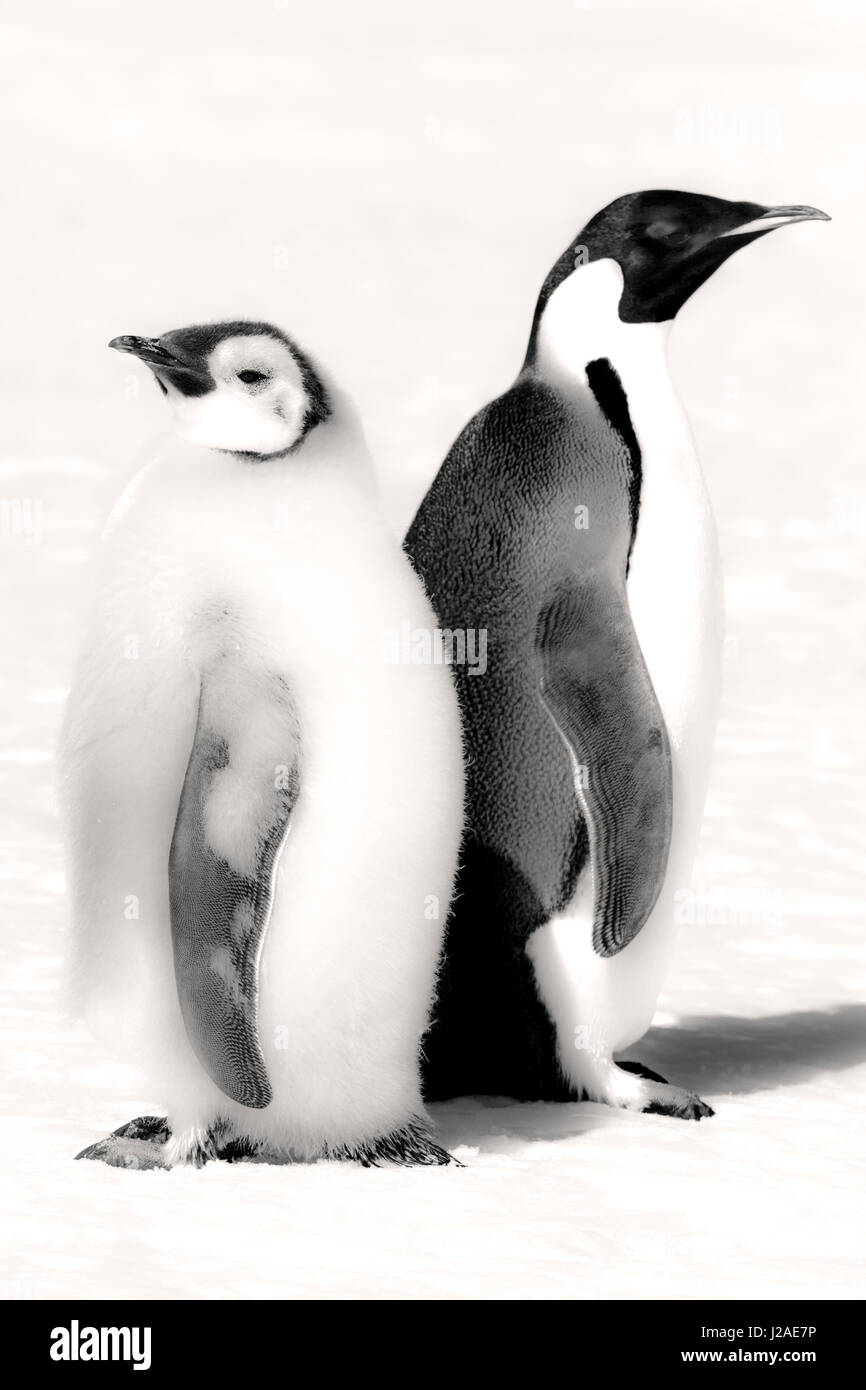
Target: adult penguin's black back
(508, 569)
(586, 757)
(486, 567)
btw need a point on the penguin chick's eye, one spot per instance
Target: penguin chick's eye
(250, 377)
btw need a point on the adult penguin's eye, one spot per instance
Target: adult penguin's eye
(249, 376)
(678, 237)
(664, 233)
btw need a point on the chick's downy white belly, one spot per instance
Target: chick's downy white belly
(365, 873)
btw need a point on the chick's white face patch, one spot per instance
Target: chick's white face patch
(258, 404)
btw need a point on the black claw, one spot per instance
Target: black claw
(93, 1151)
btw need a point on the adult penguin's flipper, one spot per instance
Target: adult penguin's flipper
(241, 784)
(597, 689)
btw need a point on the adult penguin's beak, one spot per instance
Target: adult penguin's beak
(771, 218)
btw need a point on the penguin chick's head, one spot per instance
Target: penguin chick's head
(244, 388)
(667, 244)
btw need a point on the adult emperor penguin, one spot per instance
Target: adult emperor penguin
(265, 807)
(570, 520)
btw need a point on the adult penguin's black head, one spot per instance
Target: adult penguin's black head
(667, 244)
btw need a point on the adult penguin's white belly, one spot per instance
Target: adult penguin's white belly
(675, 597)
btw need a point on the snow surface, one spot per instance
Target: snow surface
(390, 184)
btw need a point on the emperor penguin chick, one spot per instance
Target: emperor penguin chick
(264, 811)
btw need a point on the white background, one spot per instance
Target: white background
(390, 183)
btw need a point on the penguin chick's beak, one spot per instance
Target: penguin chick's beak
(150, 350)
(191, 380)
(777, 217)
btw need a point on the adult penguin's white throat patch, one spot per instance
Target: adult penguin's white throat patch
(581, 323)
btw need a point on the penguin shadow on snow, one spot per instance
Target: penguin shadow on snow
(721, 1055)
(729, 1055)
